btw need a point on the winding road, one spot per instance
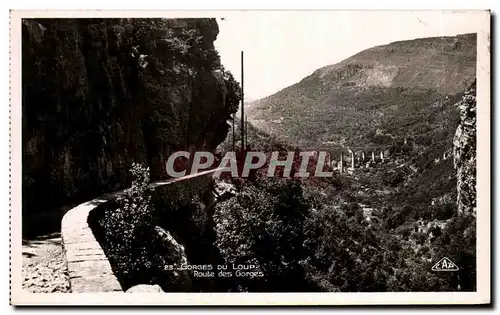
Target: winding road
(88, 267)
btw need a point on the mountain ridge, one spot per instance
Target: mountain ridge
(466, 37)
(389, 83)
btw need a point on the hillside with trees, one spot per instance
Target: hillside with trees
(374, 229)
(383, 93)
(377, 228)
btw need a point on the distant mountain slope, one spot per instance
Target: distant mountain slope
(398, 90)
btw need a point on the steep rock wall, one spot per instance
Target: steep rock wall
(99, 94)
(464, 153)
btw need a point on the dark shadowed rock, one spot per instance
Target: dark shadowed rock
(99, 94)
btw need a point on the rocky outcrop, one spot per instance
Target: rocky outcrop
(464, 153)
(179, 279)
(99, 94)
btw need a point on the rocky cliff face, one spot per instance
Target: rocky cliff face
(464, 153)
(99, 94)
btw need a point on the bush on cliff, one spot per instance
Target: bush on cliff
(129, 222)
(345, 253)
(137, 248)
(263, 226)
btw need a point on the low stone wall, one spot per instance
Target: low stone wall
(88, 267)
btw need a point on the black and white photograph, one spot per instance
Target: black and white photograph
(305, 152)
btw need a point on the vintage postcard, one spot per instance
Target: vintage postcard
(250, 157)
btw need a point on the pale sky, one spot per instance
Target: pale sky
(281, 48)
